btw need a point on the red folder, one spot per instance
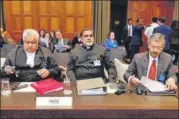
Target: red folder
(46, 86)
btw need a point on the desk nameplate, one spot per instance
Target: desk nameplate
(53, 101)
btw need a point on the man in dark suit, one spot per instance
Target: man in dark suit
(87, 61)
(136, 41)
(30, 62)
(61, 44)
(76, 40)
(127, 36)
(155, 64)
(165, 30)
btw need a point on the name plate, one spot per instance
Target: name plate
(54, 101)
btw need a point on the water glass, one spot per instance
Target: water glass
(5, 87)
(67, 86)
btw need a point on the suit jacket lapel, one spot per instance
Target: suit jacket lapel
(21, 58)
(38, 57)
(145, 64)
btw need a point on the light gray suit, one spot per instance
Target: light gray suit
(140, 62)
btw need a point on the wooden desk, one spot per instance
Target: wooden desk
(108, 106)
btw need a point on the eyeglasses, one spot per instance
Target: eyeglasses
(156, 47)
(88, 35)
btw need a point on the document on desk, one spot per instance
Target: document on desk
(153, 86)
(26, 89)
(111, 88)
(93, 86)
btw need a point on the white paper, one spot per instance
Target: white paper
(111, 89)
(26, 89)
(2, 61)
(153, 86)
(54, 101)
(94, 91)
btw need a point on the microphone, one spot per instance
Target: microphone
(122, 89)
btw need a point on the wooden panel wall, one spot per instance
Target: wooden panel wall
(68, 16)
(147, 9)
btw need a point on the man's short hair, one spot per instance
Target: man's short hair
(162, 19)
(138, 20)
(58, 31)
(157, 37)
(154, 19)
(129, 19)
(85, 29)
(30, 32)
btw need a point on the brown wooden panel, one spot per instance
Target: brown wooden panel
(16, 23)
(43, 23)
(69, 25)
(56, 7)
(68, 16)
(88, 8)
(88, 22)
(80, 8)
(144, 11)
(80, 24)
(55, 23)
(43, 7)
(7, 14)
(69, 8)
(28, 22)
(16, 7)
(27, 7)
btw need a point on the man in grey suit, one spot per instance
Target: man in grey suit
(155, 64)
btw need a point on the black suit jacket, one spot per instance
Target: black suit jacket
(75, 41)
(124, 35)
(137, 36)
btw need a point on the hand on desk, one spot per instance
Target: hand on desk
(170, 84)
(43, 73)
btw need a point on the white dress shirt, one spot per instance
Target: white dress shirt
(150, 63)
(61, 41)
(30, 59)
(129, 27)
(149, 30)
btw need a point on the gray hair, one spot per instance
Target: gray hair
(30, 32)
(157, 37)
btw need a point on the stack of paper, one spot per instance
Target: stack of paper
(153, 86)
(94, 86)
